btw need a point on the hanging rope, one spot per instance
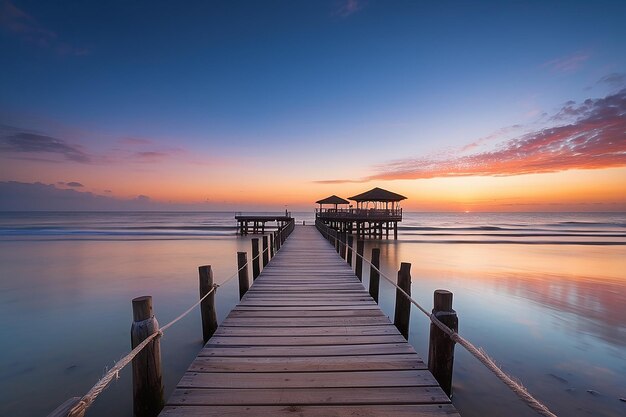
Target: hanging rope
(479, 354)
(113, 373)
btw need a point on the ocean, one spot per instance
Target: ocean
(543, 293)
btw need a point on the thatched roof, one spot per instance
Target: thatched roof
(378, 194)
(333, 199)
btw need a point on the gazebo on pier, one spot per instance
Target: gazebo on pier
(377, 211)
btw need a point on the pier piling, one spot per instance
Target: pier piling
(207, 306)
(242, 267)
(358, 267)
(403, 305)
(266, 255)
(349, 254)
(147, 374)
(441, 347)
(374, 275)
(256, 262)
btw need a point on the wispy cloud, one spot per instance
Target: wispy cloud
(74, 184)
(17, 143)
(33, 143)
(132, 141)
(594, 139)
(345, 8)
(614, 80)
(568, 63)
(18, 22)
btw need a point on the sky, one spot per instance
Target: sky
(250, 105)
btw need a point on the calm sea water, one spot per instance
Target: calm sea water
(543, 293)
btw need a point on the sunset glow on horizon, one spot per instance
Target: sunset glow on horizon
(222, 106)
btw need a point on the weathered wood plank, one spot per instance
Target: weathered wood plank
(311, 364)
(304, 340)
(421, 410)
(395, 378)
(308, 396)
(305, 313)
(339, 350)
(305, 321)
(308, 331)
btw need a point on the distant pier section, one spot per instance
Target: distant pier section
(377, 212)
(255, 223)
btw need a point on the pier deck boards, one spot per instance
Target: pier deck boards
(307, 340)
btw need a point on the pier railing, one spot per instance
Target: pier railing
(443, 319)
(145, 355)
(359, 213)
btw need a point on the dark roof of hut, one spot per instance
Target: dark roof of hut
(333, 199)
(378, 194)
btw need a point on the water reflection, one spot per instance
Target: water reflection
(553, 316)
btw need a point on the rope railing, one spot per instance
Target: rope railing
(478, 353)
(80, 405)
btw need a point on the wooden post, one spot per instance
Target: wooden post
(395, 230)
(374, 275)
(358, 268)
(148, 398)
(207, 306)
(242, 266)
(349, 255)
(403, 305)
(336, 236)
(266, 255)
(272, 244)
(342, 246)
(256, 262)
(441, 347)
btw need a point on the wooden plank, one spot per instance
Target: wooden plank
(303, 364)
(305, 313)
(412, 410)
(305, 321)
(246, 307)
(395, 378)
(304, 340)
(339, 350)
(308, 396)
(308, 331)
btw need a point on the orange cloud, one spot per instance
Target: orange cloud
(596, 139)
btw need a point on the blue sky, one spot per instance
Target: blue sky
(373, 81)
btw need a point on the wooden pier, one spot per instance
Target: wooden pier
(256, 223)
(307, 340)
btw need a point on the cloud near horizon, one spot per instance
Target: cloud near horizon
(594, 139)
(28, 143)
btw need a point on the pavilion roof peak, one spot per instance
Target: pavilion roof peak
(333, 199)
(378, 194)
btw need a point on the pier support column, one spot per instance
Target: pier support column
(403, 305)
(242, 267)
(374, 275)
(358, 267)
(349, 254)
(148, 398)
(266, 254)
(256, 262)
(441, 347)
(207, 306)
